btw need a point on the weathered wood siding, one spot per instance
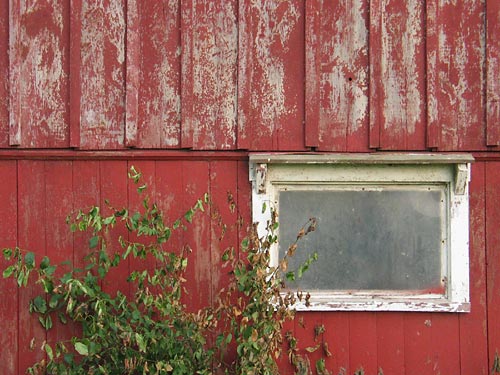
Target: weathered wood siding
(350, 75)
(185, 89)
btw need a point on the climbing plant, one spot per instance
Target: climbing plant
(151, 330)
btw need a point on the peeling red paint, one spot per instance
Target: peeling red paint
(291, 75)
(337, 75)
(397, 69)
(455, 78)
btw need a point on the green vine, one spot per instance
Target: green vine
(152, 331)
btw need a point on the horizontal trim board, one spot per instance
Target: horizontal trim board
(363, 158)
(380, 157)
(120, 155)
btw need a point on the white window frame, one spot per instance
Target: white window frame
(271, 172)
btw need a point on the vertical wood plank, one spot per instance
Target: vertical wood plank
(114, 189)
(337, 75)
(244, 199)
(209, 69)
(4, 73)
(305, 326)
(338, 338)
(86, 193)
(135, 204)
(199, 272)
(363, 342)
(223, 193)
(455, 89)
(473, 332)
(390, 343)
(32, 237)
(445, 357)
(418, 343)
(313, 72)
(492, 73)
(39, 68)
(397, 75)
(492, 204)
(14, 73)
(9, 320)
(132, 72)
(102, 74)
(59, 239)
(271, 75)
(153, 74)
(178, 185)
(75, 56)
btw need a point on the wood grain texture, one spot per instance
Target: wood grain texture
(417, 343)
(337, 335)
(271, 75)
(59, 241)
(455, 75)
(114, 189)
(473, 326)
(75, 56)
(224, 220)
(492, 206)
(397, 75)
(492, 72)
(209, 69)
(337, 77)
(445, 354)
(32, 235)
(101, 78)
(363, 343)
(9, 296)
(4, 73)
(153, 102)
(39, 69)
(390, 343)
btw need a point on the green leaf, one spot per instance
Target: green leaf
(140, 342)
(49, 352)
(93, 242)
(44, 263)
(48, 322)
(22, 278)
(320, 366)
(62, 318)
(7, 253)
(54, 300)
(50, 270)
(66, 278)
(245, 243)
(81, 349)
(176, 224)
(9, 271)
(68, 358)
(110, 220)
(40, 305)
(29, 259)
(189, 216)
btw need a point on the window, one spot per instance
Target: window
(392, 229)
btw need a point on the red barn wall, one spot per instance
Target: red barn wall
(185, 90)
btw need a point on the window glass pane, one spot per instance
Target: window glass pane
(389, 238)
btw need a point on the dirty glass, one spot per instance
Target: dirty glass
(367, 238)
